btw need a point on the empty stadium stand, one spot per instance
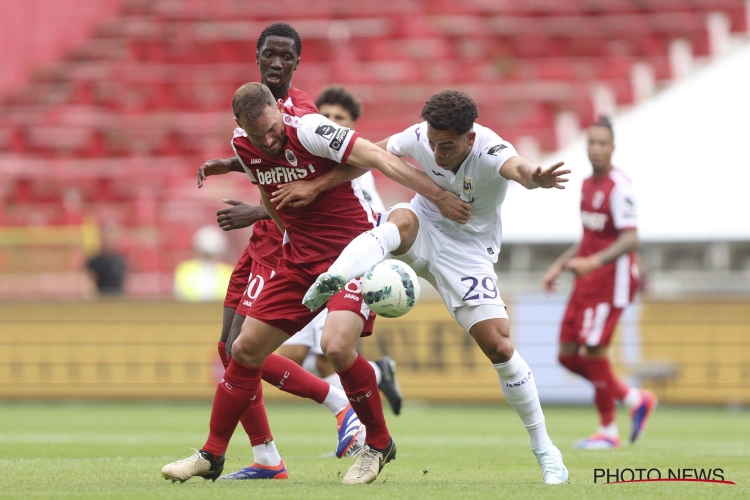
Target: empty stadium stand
(124, 121)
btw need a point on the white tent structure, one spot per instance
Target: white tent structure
(687, 151)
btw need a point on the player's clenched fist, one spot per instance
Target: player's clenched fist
(454, 208)
(213, 167)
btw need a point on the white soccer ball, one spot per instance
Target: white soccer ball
(390, 288)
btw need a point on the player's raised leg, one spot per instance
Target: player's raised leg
(517, 383)
(339, 342)
(239, 391)
(396, 235)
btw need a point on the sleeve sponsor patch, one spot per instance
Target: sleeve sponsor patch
(338, 139)
(496, 149)
(325, 130)
(629, 208)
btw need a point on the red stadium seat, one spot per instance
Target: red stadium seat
(130, 116)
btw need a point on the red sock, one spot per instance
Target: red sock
(255, 422)
(574, 363)
(290, 377)
(601, 376)
(362, 389)
(239, 388)
(223, 354)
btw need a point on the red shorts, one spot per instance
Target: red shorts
(279, 304)
(589, 323)
(257, 278)
(239, 279)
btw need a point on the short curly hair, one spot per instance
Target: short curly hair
(337, 94)
(450, 110)
(283, 30)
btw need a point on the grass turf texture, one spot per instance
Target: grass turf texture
(116, 450)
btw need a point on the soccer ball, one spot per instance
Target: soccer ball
(390, 288)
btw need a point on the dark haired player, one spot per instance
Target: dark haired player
(458, 260)
(278, 144)
(606, 280)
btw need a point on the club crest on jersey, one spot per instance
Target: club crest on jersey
(597, 200)
(325, 130)
(496, 149)
(291, 158)
(468, 188)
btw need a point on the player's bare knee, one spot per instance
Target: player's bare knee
(234, 331)
(567, 349)
(408, 227)
(596, 351)
(500, 351)
(339, 352)
(335, 351)
(246, 351)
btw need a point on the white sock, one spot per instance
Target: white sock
(519, 390)
(632, 398)
(611, 430)
(336, 400)
(334, 380)
(266, 454)
(378, 372)
(367, 249)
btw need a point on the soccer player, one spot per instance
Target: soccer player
(278, 55)
(458, 260)
(606, 280)
(342, 107)
(277, 144)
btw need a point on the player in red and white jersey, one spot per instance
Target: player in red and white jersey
(277, 144)
(606, 280)
(278, 55)
(343, 108)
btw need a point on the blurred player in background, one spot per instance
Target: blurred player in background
(276, 144)
(606, 278)
(458, 260)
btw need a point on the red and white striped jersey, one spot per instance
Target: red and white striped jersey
(265, 243)
(608, 206)
(313, 145)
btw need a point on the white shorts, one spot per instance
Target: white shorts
(310, 335)
(464, 279)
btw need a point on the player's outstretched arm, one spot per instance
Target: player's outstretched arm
(521, 170)
(240, 215)
(367, 155)
(218, 167)
(626, 242)
(301, 193)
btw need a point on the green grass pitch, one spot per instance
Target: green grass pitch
(116, 450)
